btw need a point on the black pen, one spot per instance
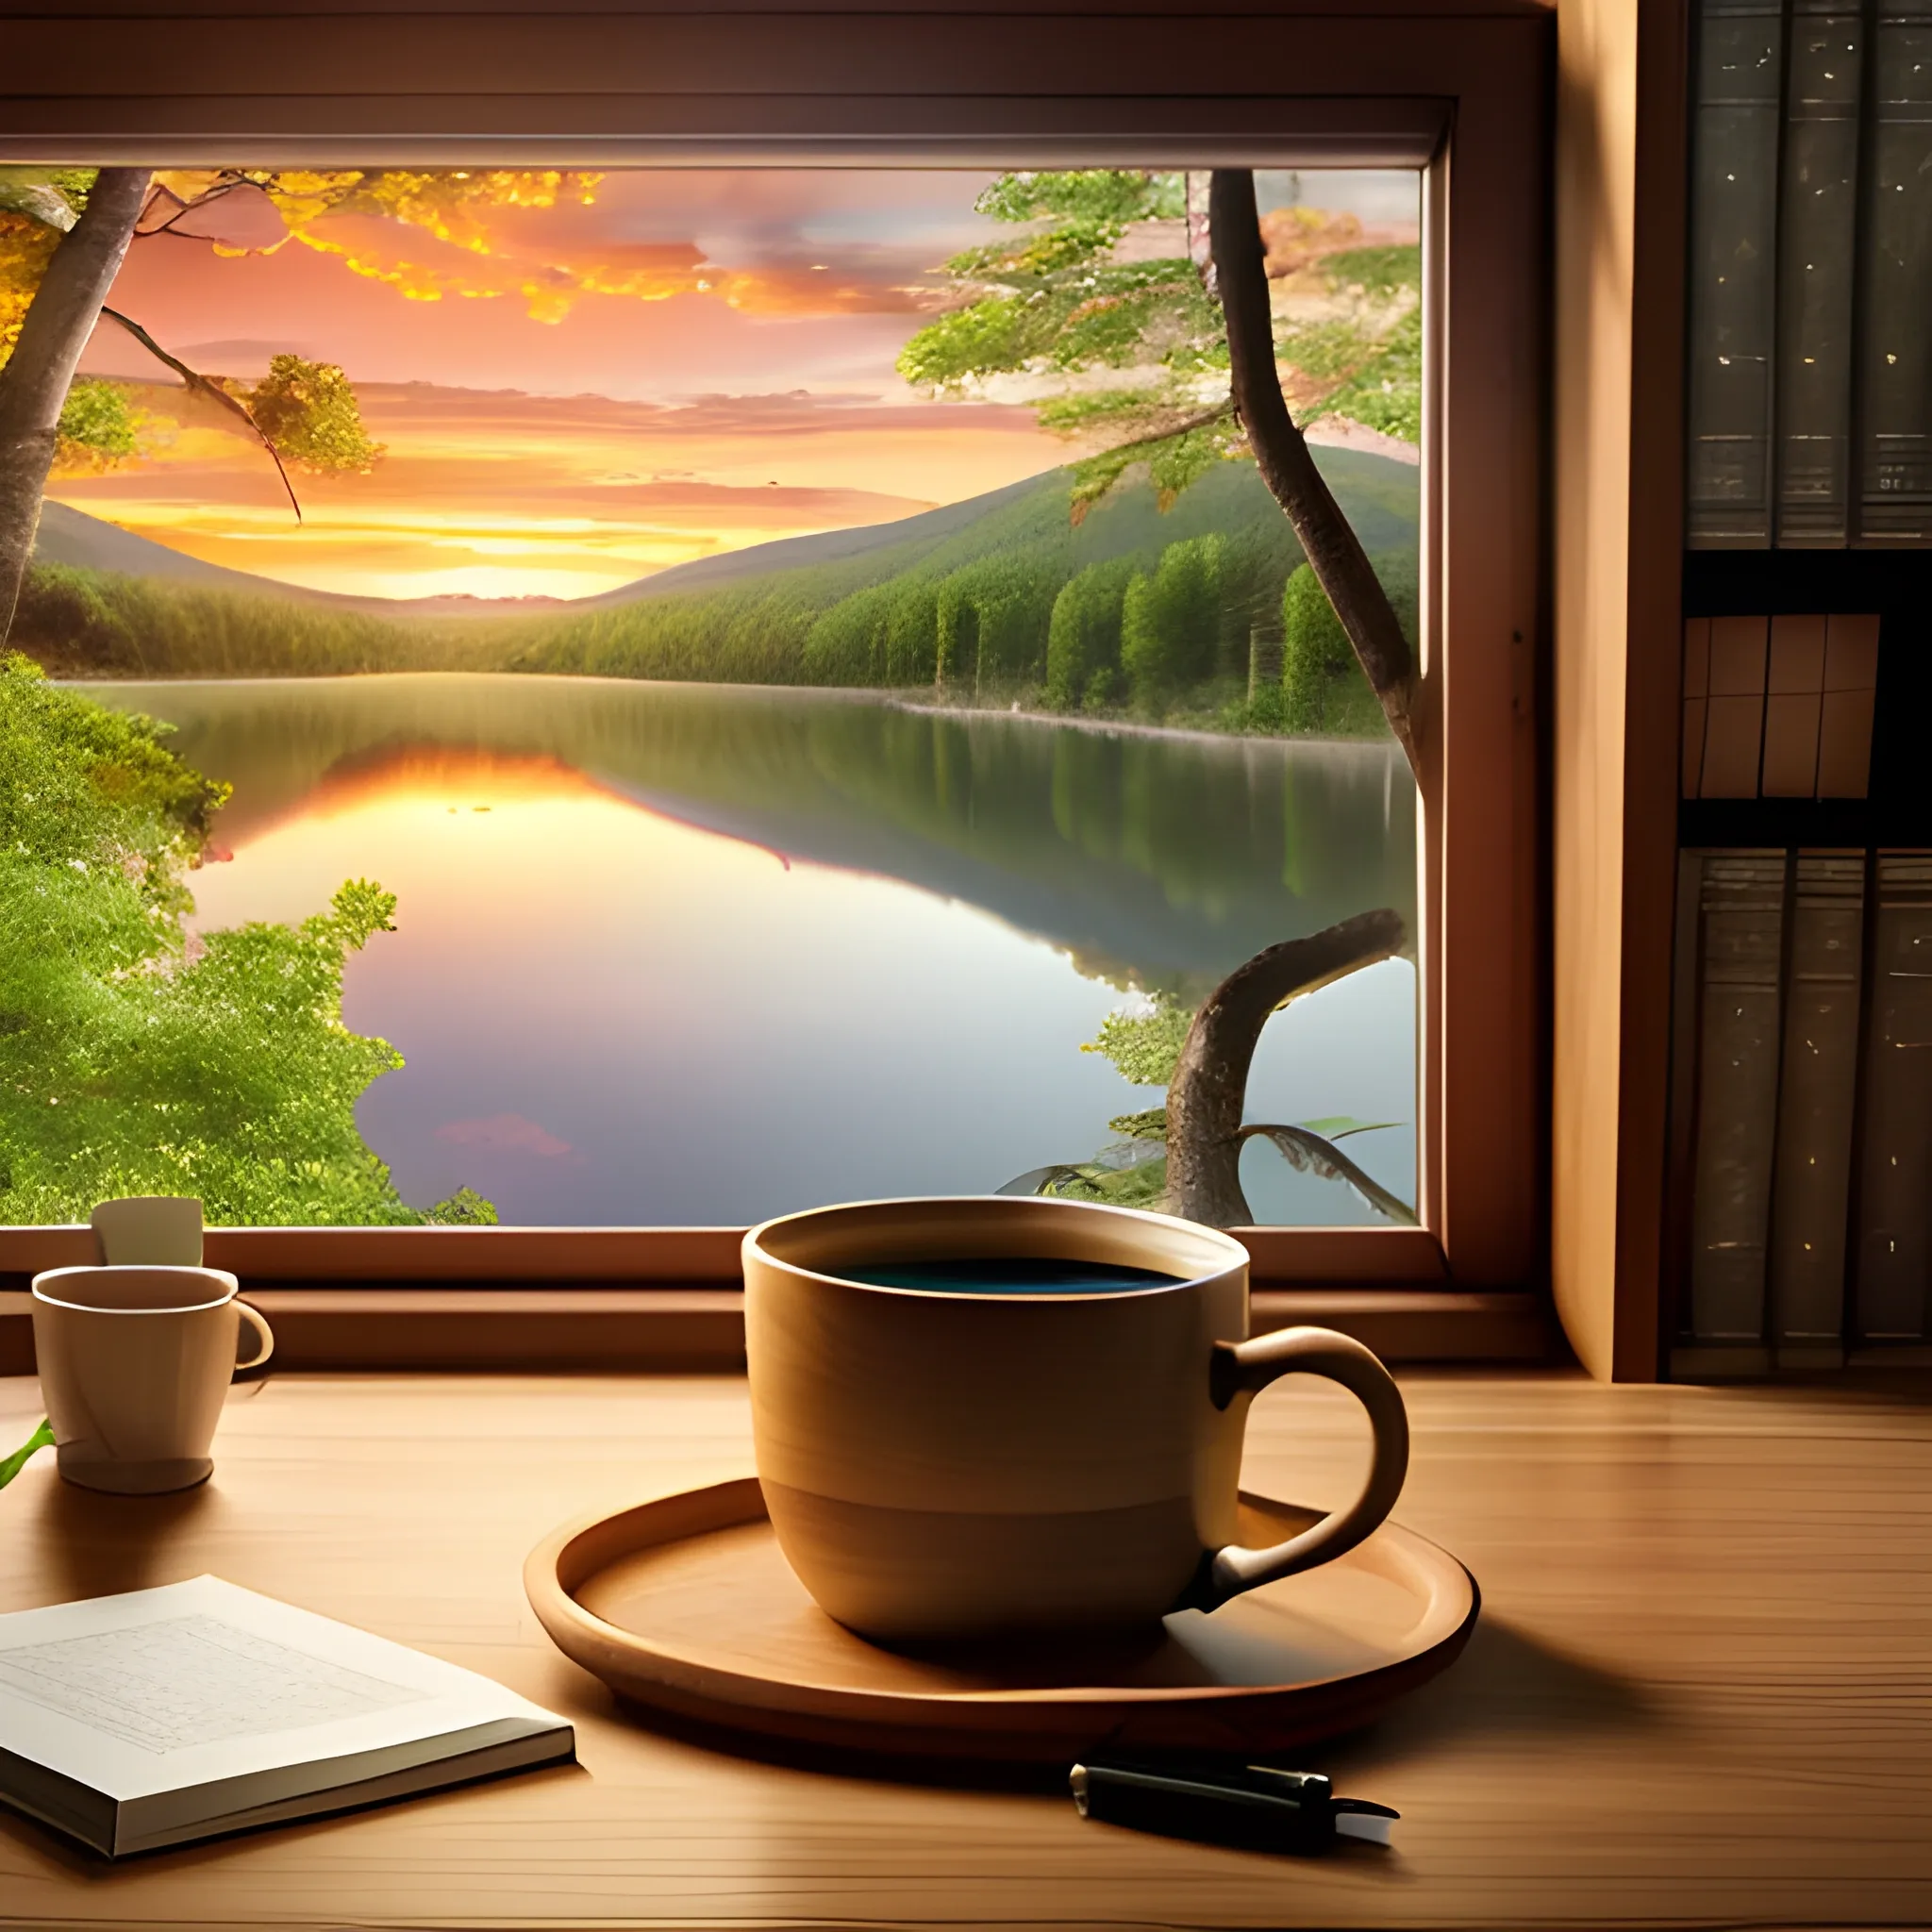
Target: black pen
(1229, 1803)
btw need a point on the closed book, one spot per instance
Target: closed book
(1895, 346)
(1895, 1250)
(163, 1716)
(1732, 272)
(1817, 1097)
(1740, 920)
(1816, 274)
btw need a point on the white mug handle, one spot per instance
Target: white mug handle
(264, 1334)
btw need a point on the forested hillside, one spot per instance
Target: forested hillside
(1129, 607)
(1200, 611)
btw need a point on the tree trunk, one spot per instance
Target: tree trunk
(1333, 550)
(33, 384)
(1209, 1086)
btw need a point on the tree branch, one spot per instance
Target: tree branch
(1211, 1081)
(203, 386)
(1333, 550)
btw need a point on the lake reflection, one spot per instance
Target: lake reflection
(698, 954)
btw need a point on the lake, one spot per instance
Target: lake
(700, 954)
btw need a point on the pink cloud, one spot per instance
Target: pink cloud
(503, 1132)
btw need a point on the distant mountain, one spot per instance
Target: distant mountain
(928, 528)
(71, 537)
(1380, 497)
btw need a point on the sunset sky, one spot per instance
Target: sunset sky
(694, 362)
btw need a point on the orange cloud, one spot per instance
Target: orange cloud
(503, 1132)
(498, 493)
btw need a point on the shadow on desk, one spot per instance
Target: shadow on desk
(84, 1544)
(1506, 1682)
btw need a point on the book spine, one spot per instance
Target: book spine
(1817, 1097)
(1896, 343)
(1816, 270)
(1741, 918)
(1733, 292)
(1894, 1241)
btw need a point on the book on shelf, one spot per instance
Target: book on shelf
(1801, 1104)
(1894, 1236)
(1816, 270)
(1894, 359)
(1817, 1085)
(1740, 906)
(1737, 111)
(164, 1716)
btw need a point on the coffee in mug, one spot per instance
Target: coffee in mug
(990, 1417)
(134, 1365)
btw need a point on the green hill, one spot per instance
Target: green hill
(1008, 595)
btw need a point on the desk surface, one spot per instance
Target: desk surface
(1701, 1691)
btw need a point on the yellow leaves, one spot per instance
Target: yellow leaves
(25, 249)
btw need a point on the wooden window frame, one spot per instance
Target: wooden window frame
(1464, 97)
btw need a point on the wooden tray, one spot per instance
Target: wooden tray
(688, 1605)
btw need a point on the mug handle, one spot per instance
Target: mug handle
(264, 1334)
(1247, 1367)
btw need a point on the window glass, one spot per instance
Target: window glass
(733, 689)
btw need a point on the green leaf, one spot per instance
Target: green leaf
(1338, 1127)
(42, 1438)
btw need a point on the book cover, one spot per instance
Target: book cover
(1740, 918)
(1817, 1096)
(1895, 1250)
(1895, 347)
(1732, 275)
(1817, 237)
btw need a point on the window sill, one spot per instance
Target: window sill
(700, 1328)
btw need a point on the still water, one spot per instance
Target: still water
(702, 954)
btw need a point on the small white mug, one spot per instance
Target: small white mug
(134, 1364)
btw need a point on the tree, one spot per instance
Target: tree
(135, 1060)
(64, 234)
(98, 427)
(1184, 1157)
(1171, 621)
(310, 412)
(59, 317)
(1174, 359)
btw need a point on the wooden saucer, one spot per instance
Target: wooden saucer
(688, 1605)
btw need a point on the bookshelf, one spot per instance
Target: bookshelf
(1798, 1231)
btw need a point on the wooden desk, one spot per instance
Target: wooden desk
(1700, 1693)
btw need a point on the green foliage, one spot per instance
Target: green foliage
(1057, 301)
(1114, 197)
(100, 622)
(975, 604)
(310, 412)
(133, 1059)
(99, 427)
(1171, 622)
(464, 1209)
(1144, 1047)
(1324, 689)
(1386, 392)
(1377, 271)
(1083, 639)
(42, 1438)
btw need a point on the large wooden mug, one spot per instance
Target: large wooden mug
(944, 1465)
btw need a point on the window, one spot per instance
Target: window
(788, 680)
(1079, 867)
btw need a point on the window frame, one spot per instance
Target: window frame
(1465, 98)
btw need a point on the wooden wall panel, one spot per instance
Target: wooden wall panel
(1616, 426)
